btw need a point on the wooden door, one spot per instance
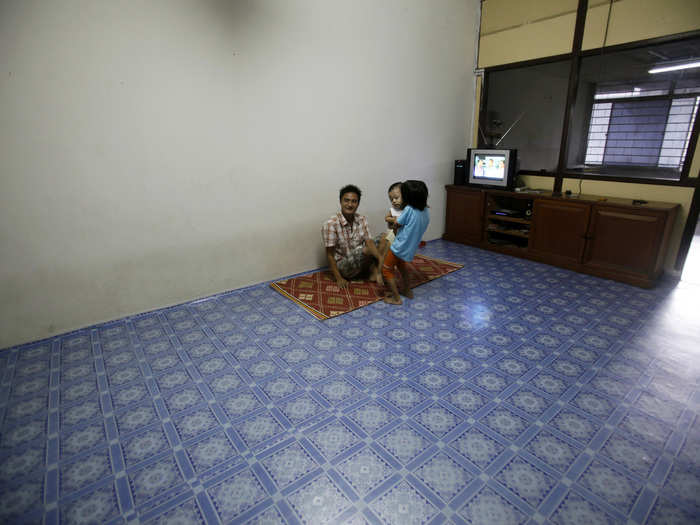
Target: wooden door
(624, 239)
(465, 215)
(558, 233)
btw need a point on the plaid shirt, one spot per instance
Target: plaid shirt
(339, 233)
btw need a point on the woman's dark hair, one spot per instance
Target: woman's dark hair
(415, 194)
(350, 188)
(395, 185)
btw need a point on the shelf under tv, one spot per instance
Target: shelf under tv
(509, 219)
(514, 233)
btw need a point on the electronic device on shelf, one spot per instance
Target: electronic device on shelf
(460, 172)
(491, 167)
(505, 212)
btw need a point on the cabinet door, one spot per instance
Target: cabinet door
(625, 240)
(558, 232)
(465, 215)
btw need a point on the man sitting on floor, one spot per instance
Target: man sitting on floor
(350, 248)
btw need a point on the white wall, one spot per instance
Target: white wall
(158, 151)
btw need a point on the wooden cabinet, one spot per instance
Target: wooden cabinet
(626, 242)
(559, 230)
(607, 237)
(465, 215)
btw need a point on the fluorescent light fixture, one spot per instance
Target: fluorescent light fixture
(622, 94)
(675, 67)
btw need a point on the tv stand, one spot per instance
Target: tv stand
(604, 236)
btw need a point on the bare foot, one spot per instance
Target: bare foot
(407, 292)
(392, 300)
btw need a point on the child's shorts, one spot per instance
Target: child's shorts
(391, 261)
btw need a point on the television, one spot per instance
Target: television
(491, 167)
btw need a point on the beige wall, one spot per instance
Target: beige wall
(515, 30)
(512, 31)
(157, 152)
(632, 20)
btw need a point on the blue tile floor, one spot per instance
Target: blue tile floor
(506, 392)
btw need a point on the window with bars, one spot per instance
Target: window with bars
(647, 126)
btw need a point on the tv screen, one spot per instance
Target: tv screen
(493, 168)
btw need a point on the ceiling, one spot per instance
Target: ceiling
(634, 64)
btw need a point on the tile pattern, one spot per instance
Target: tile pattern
(505, 392)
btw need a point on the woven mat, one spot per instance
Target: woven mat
(323, 298)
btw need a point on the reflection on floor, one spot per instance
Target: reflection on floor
(691, 269)
(506, 392)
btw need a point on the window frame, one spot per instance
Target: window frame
(671, 98)
(562, 171)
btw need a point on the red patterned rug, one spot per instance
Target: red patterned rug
(323, 298)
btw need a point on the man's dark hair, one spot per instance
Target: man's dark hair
(350, 188)
(395, 185)
(415, 194)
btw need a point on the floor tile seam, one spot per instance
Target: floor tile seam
(53, 412)
(609, 508)
(630, 475)
(673, 496)
(532, 508)
(132, 332)
(162, 509)
(85, 489)
(601, 436)
(661, 471)
(533, 418)
(284, 491)
(177, 443)
(674, 431)
(106, 415)
(643, 506)
(440, 504)
(511, 497)
(75, 496)
(648, 389)
(160, 503)
(490, 433)
(550, 503)
(8, 375)
(50, 516)
(605, 456)
(208, 480)
(640, 441)
(445, 448)
(676, 446)
(152, 459)
(468, 494)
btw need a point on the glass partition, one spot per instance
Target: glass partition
(629, 121)
(525, 110)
